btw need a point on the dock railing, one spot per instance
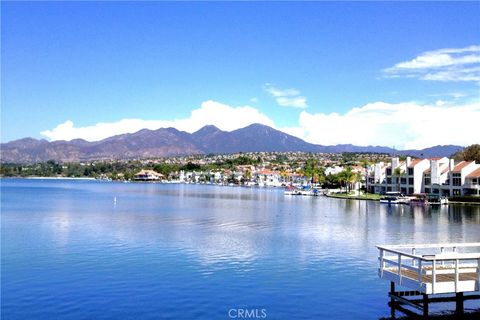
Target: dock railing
(432, 268)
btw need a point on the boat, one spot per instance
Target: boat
(291, 191)
(419, 199)
(435, 199)
(303, 191)
(309, 191)
(394, 197)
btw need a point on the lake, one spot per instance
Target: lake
(174, 251)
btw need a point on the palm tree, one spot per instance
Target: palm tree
(349, 177)
(247, 175)
(398, 173)
(342, 178)
(314, 172)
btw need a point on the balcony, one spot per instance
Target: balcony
(471, 185)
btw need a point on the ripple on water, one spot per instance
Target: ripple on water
(185, 252)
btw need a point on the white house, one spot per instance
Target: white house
(268, 178)
(472, 183)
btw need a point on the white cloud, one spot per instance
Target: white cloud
(403, 125)
(287, 97)
(451, 64)
(296, 102)
(211, 112)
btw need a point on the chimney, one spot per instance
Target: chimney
(395, 162)
(409, 161)
(451, 165)
(434, 172)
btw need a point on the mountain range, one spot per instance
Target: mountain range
(165, 142)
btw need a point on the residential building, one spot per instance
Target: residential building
(433, 175)
(472, 183)
(148, 175)
(268, 178)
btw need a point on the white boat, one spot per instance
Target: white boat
(435, 199)
(304, 191)
(291, 191)
(394, 197)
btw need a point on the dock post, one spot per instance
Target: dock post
(392, 300)
(425, 305)
(459, 303)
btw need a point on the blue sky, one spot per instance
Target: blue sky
(295, 65)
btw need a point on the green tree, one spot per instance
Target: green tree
(348, 177)
(247, 175)
(470, 153)
(397, 173)
(342, 180)
(165, 168)
(314, 172)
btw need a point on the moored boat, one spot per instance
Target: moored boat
(419, 199)
(291, 191)
(304, 191)
(435, 199)
(394, 197)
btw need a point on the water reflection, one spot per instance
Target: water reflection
(235, 245)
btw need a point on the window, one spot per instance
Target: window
(436, 191)
(457, 182)
(389, 180)
(410, 180)
(427, 190)
(410, 171)
(410, 190)
(389, 171)
(403, 180)
(456, 192)
(457, 175)
(474, 181)
(427, 181)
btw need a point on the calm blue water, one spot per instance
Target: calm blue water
(195, 252)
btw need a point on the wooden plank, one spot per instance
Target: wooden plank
(396, 306)
(405, 301)
(440, 277)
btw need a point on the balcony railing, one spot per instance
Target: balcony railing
(432, 268)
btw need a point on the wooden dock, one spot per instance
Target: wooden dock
(429, 270)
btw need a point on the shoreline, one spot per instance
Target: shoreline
(58, 178)
(337, 196)
(372, 199)
(51, 178)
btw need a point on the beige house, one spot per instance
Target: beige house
(148, 175)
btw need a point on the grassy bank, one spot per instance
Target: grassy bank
(365, 196)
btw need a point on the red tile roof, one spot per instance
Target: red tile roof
(474, 174)
(266, 171)
(415, 162)
(461, 165)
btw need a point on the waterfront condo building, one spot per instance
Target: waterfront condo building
(430, 175)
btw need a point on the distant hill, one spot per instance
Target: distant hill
(436, 151)
(166, 142)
